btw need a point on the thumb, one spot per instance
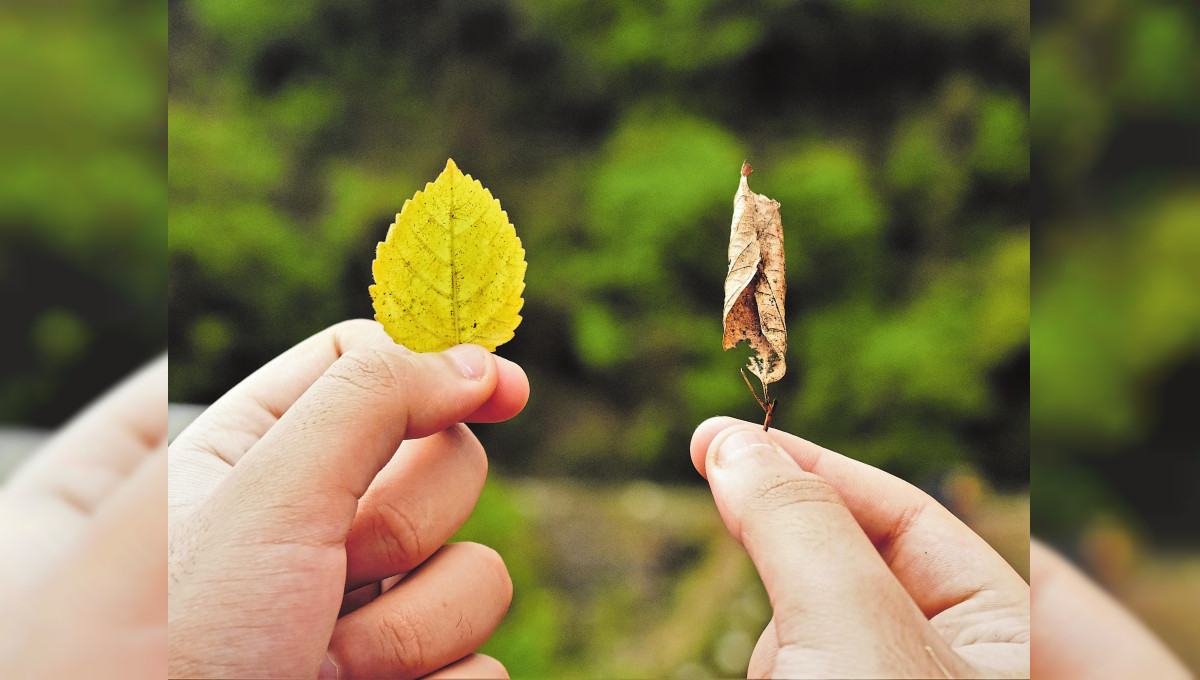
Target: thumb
(838, 609)
(311, 468)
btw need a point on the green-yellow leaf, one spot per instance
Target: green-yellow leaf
(451, 269)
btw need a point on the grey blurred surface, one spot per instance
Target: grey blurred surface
(16, 443)
(180, 416)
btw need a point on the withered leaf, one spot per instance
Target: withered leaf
(755, 286)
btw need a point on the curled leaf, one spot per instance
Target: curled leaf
(755, 286)
(451, 269)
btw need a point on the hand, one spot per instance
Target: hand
(82, 543)
(1082, 633)
(310, 506)
(867, 575)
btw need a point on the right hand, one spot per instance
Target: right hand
(1082, 633)
(867, 575)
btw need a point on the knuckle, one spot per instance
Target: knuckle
(397, 529)
(793, 655)
(779, 491)
(370, 369)
(403, 640)
(351, 326)
(358, 367)
(909, 516)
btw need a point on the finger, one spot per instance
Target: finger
(511, 395)
(762, 659)
(104, 608)
(101, 446)
(127, 540)
(832, 595)
(303, 479)
(50, 499)
(1081, 632)
(938, 559)
(254, 405)
(359, 597)
(474, 666)
(204, 453)
(415, 504)
(440, 613)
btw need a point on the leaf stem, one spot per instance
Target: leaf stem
(766, 404)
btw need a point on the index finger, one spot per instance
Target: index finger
(1082, 632)
(101, 446)
(303, 480)
(250, 409)
(938, 559)
(206, 451)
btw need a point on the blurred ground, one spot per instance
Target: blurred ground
(15, 445)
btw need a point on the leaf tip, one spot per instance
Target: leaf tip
(451, 166)
(746, 169)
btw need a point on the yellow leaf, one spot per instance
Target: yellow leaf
(451, 269)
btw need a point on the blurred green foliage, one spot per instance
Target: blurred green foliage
(82, 201)
(1115, 108)
(894, 135)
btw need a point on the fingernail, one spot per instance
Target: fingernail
(471, 360)
(329, 670)
(741, 444)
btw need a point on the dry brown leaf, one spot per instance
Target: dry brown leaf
(755, 286)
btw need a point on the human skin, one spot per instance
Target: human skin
(1080, 632)
(82, 529)
(82, 526)
(298, 499)
(867, 575)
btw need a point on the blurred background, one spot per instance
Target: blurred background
(895, 136)
(82, 199)
(1116, 322)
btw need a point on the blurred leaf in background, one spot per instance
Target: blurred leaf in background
(894, 135)
(1116, 369)
(82, 201)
